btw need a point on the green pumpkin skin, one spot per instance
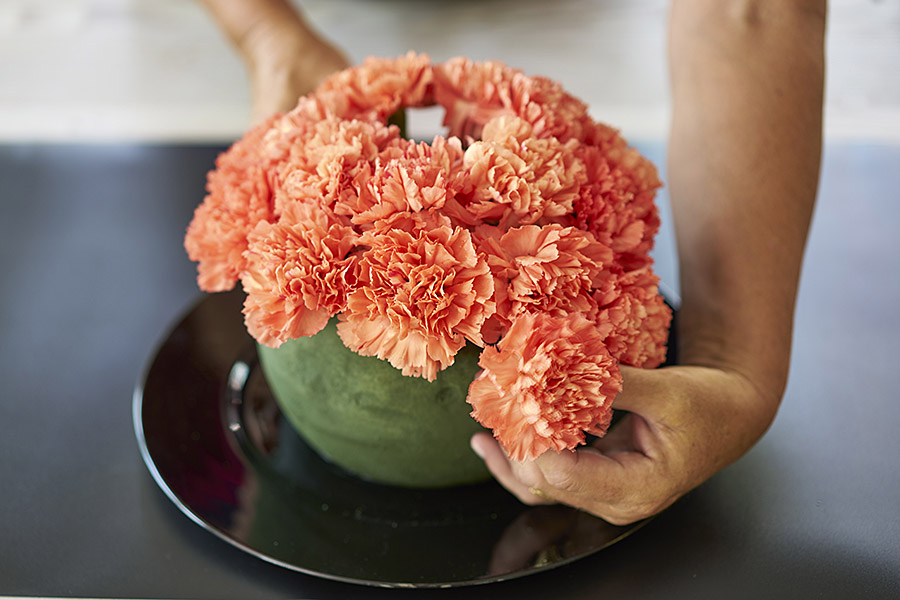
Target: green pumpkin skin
(362, 414)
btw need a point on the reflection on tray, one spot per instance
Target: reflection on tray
(218, 445)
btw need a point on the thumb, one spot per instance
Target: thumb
(642, 391)
(592, 480)
(518, 478)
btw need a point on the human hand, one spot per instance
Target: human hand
(285, 57)
(543, 535)
(284, 63)
(683, 425)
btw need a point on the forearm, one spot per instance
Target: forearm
(745, 145)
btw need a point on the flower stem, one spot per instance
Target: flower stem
(399, 119)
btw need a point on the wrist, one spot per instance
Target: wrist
(286, 60)
(762, 362)
(272, 41)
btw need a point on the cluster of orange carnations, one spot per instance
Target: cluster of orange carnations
(526, 231)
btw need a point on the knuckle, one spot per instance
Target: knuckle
(527, 474)
(641, 511)
(620, 519)
(627, 515)
(634, 507)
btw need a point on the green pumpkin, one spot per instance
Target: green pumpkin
(362, 414)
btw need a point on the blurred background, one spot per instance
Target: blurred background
(160, 71)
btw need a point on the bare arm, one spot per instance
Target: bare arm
(284, 56)
(747, 86)
(747, 83)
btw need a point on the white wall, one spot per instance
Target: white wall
(159, 70)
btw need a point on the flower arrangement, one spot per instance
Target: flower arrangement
(526, 231)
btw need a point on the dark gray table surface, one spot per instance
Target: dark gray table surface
(92, 273)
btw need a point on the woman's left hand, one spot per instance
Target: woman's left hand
(683, 425)
(285, 63)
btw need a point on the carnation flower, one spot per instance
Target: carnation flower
(238, 197)
(548, 381)
(562, 115)
(328, 163)
(638, 319)
(550, 269)
(528, 225)
(299, 271)
(617, 205)
(378, 87)
(515, 178)
(475, 93)
(419, 297)
(407, 178)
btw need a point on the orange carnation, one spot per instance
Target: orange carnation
(474, 93)
(378, 87)
(515, 178)
(548, 381)
(638, 320)
(406, 178)
(328, 163)
(299, 271)
(419, 297)
(238, 197)
(617, 205)
(550, 269)
(527, 225)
